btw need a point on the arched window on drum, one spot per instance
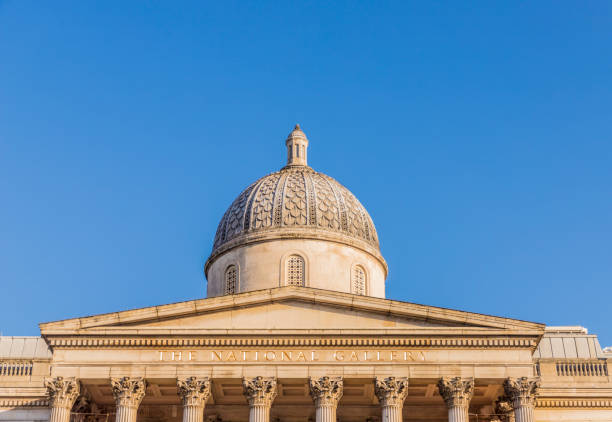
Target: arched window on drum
(231, 280)
(359, 280)
(295, 271)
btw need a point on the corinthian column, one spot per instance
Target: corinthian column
(457, 393)
(260, 393)
(391, 393)
(62, 394)
(128, 393)
(193, 392)
(326, 393)
(522, 393)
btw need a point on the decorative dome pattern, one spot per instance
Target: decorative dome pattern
(296, 197)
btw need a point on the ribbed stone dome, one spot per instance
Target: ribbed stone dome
(296, 202)
(296, 198)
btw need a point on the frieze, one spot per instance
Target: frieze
(290, 356)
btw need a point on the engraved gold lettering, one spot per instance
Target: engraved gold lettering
(270, 355)
(231, 357)
(286, 356)
(313, 356)
(301, 356)
(215, 355)
(339, 355)
(354, 357)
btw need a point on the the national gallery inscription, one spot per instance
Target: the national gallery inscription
(295, 356)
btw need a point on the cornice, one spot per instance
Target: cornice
(575, 392)
(69, 342)
(573, 403)
(23, 403)
(290, 233)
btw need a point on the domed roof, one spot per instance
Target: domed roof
(296, 202)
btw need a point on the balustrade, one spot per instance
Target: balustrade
(15, 368)
(578, 368)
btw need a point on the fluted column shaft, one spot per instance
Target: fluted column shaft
(522, 393)
(391, 393)
(62, 393)
(457, 393)
(59, 414)
(325, 413)
(193, 392)
(128, 393)
(126, 414)
(392, 413)
(193, 413)
(326, 392)
(458, 414)
(260, 393)
(259, 413)
(524, 414)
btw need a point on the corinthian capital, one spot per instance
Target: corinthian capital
(391, 391)
(260, 391)
(128, 391)
(326, 391)
(522, 391)
(456, 391)
(62, 391)
(194, 391)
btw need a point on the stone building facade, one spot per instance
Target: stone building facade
(296, 327)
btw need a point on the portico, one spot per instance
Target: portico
(333, 355)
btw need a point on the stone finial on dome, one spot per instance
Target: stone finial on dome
(297, 148)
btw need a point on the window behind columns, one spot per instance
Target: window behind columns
(231, 277)
(295, 270)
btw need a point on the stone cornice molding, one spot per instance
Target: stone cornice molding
(459, 341)
(128, 391)
(287, 233)
(326, 391)
(194, 391)
(456, 391)
(391, 391)
(575, 392)
(522, 391)
(260, 391)
(574, 403)
(21, 402)
(286, 293)
(62, 391)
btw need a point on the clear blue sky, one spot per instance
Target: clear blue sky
(477, 134)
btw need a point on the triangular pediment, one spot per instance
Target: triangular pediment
(299, 310)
